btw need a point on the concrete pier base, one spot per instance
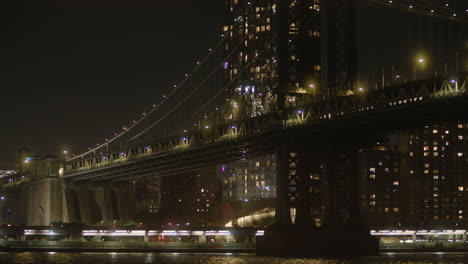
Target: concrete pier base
(300, 243)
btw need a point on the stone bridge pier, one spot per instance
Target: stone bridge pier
(106, 205)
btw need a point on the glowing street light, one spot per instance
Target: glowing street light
(422, 61)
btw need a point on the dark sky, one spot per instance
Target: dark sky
(74, 72)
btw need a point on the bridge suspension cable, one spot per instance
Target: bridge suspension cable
(190, 94)
(426, 8)
(167, 98)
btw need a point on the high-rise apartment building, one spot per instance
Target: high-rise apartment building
(253, 179)
(437, 175)
(252, 71)
(421, 182)
(380, 185)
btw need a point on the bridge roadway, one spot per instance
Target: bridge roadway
(320, 124)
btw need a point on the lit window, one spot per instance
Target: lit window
(460, 188)
(447, 132)
(460, 137)
(411, 154)
(436, 154)
(435, 131)
(387, 210)
(396, 183)
(396, 210)
(426, 171)
(426, 148)
(426, 165)
(372, 169)
(372, 176)
(460, 154)
(460, 125)
(426, 154)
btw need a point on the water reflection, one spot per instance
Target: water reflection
(170, 258)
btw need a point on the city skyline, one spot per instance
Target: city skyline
(309, 128)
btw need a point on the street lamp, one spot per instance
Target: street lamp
(421, 62)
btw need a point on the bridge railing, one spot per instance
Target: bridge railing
(377, 100)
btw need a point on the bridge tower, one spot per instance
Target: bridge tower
(343, 233)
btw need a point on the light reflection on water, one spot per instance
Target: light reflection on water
(228, 258)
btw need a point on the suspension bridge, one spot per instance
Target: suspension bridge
(250, 96)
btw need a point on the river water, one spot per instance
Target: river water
(176, 258)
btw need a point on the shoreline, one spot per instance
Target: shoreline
(198, 250)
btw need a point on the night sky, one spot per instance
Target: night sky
(74, 72)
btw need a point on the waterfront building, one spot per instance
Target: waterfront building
(148, 196)
(420, 182)
(380, 185)
(189, 199)
(436, 175)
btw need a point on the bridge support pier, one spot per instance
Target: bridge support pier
(344, 233)
(106, 205)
